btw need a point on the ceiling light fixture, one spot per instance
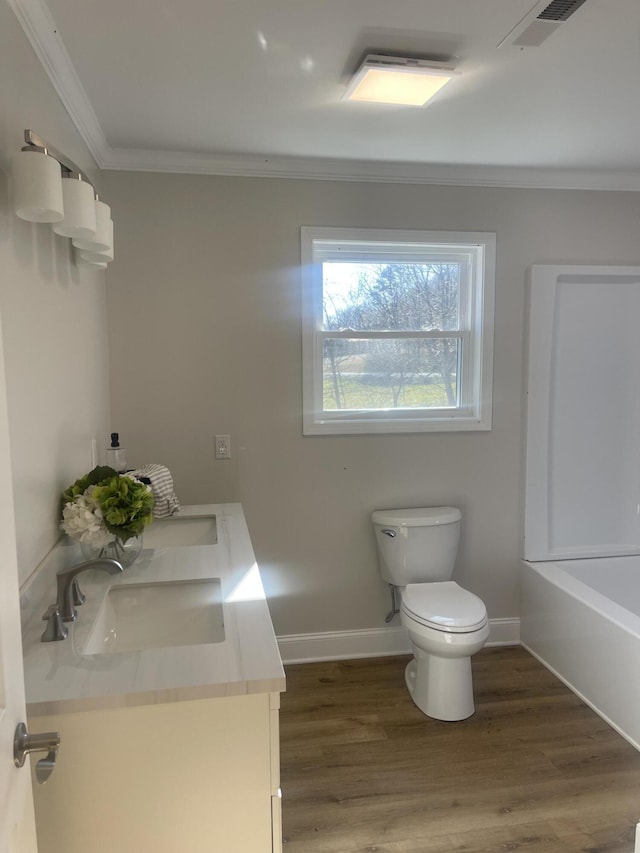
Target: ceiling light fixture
(48, 187)
(398, 80)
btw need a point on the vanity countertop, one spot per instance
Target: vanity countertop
(59, 678)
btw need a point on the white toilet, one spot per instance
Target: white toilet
(446, 623)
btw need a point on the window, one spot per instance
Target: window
(397, 330)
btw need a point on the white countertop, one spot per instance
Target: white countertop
(59, 678)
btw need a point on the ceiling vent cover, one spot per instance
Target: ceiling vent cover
(541, 22)
(560, 10)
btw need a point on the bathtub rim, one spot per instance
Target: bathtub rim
(556, 574)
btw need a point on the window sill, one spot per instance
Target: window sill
(372, 427)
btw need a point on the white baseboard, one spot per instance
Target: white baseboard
(504, 632)
(374, 642)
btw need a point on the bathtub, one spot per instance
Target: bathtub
(581, 619)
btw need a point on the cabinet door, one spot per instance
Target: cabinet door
(192, 775)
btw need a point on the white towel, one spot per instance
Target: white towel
(166, 501)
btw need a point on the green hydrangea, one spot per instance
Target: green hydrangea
(99, 475)
(125, 504)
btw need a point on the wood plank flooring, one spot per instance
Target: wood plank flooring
(364, 771)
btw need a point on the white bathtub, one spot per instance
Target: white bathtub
(581, 618)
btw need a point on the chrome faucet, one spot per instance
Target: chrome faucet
(67, 585)
(69, 596)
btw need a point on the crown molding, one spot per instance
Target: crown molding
(40, 28)
(321, 169)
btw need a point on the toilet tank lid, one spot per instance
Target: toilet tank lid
(417, 517)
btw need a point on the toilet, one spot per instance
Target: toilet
(446, 623)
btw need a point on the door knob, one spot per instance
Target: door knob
(24, 743)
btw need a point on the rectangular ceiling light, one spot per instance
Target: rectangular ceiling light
(397, 80)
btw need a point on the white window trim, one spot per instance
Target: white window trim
(478, 359)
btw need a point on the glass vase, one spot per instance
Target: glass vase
(126, 553)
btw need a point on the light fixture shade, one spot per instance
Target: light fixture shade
(105, 255)
(82, 261)
(37, 187)
(102, 241)
(79, 209)
(398, 80)
(92, 265)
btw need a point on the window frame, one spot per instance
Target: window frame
(475, 330)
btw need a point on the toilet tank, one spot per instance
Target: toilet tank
(417, 545)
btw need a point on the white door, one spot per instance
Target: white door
(17, 825)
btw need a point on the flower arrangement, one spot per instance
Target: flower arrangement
(104, 504)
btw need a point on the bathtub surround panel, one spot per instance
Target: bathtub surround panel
(583, 452)
(208, 278)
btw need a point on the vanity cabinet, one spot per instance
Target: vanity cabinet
(170, 749)
(190, 776)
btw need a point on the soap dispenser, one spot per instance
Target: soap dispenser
(116, 456)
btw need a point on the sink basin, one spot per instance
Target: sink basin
(179, 530)
(158, 615)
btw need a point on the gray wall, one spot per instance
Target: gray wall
(53, 317)
(204, 337)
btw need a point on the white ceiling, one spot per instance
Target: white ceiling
(254, 87)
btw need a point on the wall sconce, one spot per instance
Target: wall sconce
(48, 187)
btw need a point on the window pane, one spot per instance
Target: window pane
(390, 374)
(391, 296)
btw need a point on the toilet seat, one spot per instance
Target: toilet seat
(444, 606)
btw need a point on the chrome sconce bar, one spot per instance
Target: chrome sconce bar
(49, 187)
(37, 143)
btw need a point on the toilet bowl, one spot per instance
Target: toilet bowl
(446, 623)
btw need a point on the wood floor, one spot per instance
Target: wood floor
(533, 770)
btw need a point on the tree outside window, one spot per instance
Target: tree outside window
(391, 372)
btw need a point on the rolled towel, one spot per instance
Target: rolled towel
(161, 481)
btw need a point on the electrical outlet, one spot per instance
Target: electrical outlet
(223, 447)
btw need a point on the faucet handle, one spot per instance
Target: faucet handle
(77, 594)
(56, 629)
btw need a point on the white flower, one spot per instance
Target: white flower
(82, 520)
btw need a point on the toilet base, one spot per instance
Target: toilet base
(441, 687)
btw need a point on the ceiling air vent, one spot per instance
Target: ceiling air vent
(541, 22)
(560, 10)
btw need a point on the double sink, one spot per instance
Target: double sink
(139, 616)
